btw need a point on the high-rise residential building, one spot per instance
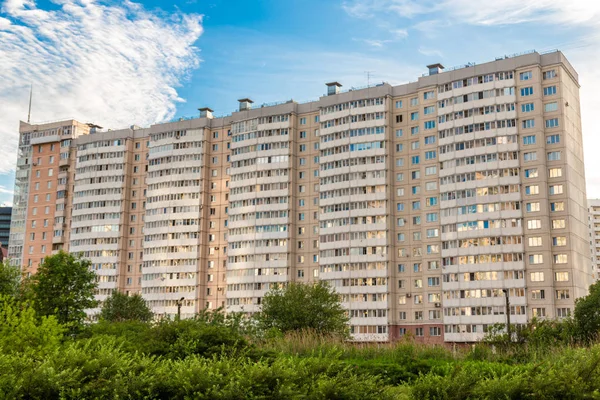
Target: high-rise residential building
(421, 204)
(5, 215)
(594, 229)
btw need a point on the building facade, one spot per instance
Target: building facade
(421, 204)
(594, 229)
(5, 216)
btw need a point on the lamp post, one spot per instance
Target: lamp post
(179, 302)
(507, 314)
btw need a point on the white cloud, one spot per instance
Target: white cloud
(373, 42)
(113, 64)
(4, 190)
(430, 52)
(583, 49)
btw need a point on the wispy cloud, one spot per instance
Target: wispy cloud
(430, 52)
(107, 62)
(373, 42)
(4, 190)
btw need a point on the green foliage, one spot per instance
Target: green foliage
(120, 307)
(587, 315)
(64, 286)
(298, 307)
(10, 278)
(21, 330)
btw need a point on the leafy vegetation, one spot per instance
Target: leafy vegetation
(216, 356)
(119, 307)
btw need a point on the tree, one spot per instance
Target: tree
(119, 307)
(298, 306)
(587, 314)
(64, 286)
(10, 278)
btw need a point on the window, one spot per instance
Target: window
(555, 172)
(419, 332)
(560, 259)
(531, 173)
(555, 189)
(535, 241)
(561, 276)
(536, 259)
(538, 312)
(431, 201)
(554, 156)
(562, 294)
(528, 123)
(303, 135)
(399, 104)
(525, 76)
(414, 101)
(549, 90)
(399, 177)
(549, 107)
(552, 123)
(536, 276)
(428, 95)
(533, 207)
(532, 189)
(429, 140)
(557, 206)
(430, 155)
(537, 294)
(402, 315)
(530, 156)
(399, 162)
(529, 139)
(534, 224)
(558, 224)
(414, 116)
(428, 110)
(430, 170)
(302, 121)
(528, 107)
(399, 133)
(415, 160)
(415, 189)
(414, 145)
(398, 118)
(553, 139)
(414, 130)
(302, 147)
(563, 312)
(429, 125)
(549, 74)
(527, 91)
(431, 233)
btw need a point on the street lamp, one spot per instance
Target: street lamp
(507, 314)
(179, 302)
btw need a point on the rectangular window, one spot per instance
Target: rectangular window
(537, 276)
(561, 259)
(555, 189)
(552, 123)
(400, 177)
(555, 172)
(562, 294)
(530, 139)
(557, 206)
(533, 207)
(549, 107)
(535, 241)
(549, 74)
(430, 170)
(534, 224)
(553, 139)
(549, 90)
(399, 133)
(414, 130)
(414, 101)
(430, 155)
(398, 103)
(527, 91)
(429, 125)
(528, 107)
(532, 189)
(429, 110)
(429, 95)
(429, 140)
(561, 276)
(537, 294)
(531, 173)
(528, 123)
(414, 116)
(554, 156)
(558, 224)
(531, 156)
(525, 76)
(415, 160)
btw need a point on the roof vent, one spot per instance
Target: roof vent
(333, 88)
(245, 104)
(435, 69)
(206, 112)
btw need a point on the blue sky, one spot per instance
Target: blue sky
(173, 59)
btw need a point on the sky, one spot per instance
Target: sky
(123, 62)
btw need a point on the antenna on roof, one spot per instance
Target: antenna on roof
(30, 96)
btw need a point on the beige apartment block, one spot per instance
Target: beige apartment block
(594, 231)
(420, 204)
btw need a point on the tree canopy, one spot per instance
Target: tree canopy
(10, 278)
(64, 286)
(120, 307)
(300, 306)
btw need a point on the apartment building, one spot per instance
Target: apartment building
(5, 215)
(421, 204)
(594, 229)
